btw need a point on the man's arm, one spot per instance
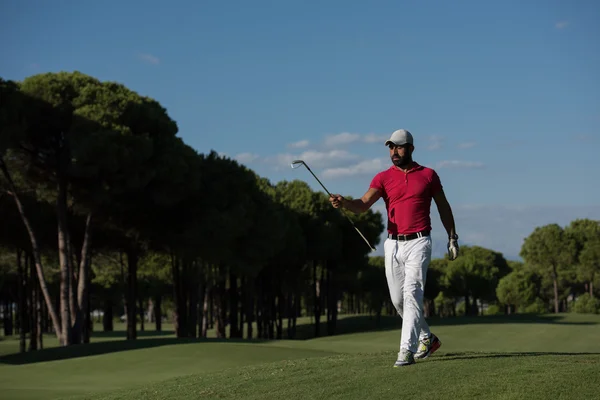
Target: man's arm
(448, 221)
(357, 206)
(445, 212)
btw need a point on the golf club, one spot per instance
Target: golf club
(298, 164)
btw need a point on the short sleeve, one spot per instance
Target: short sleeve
(377, 183)
(436, 183)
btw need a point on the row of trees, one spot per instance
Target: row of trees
(560, 272)
(93, 172)
(103, 207)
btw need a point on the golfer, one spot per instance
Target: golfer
(407, 189)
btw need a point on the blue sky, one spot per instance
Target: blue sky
(502, 98)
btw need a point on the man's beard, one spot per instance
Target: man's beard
(401, 161)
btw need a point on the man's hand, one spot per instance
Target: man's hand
(336, 200)
(453, 249)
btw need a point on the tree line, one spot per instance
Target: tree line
(560, 272)
(103, 207)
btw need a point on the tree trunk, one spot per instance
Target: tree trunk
(8, 318)
(123, 287)
(83, 321)
(107, 317)
(201, 299)
(33, 307)
(73, 306)
(592, 289)
(233, 306)
(327, 299)
(141, 311)
(280, 302)
(297, 313)
(290, 314)
(192, 318)
(249, 312)
(334, 306)
(205, 309)
(474, 307)
(176, 295)
(317, 294)
(242, 309)
(220, 309)
(331, 303)
(555, 284)
(150, 309)
(272, 312)
(158, 312)
(259, 308)
(132, 260)
(35, 250)
(39, 311)
(467, 305)
(22, 302)
(88, 323)
(63, 257)
(211, 307)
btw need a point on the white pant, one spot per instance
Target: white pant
(406, 264)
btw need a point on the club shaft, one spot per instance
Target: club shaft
(341, 210)
(323, 186)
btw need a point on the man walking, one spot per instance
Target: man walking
(407, 189)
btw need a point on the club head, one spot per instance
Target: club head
(297, 163)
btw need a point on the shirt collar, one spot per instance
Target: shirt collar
(416, 167)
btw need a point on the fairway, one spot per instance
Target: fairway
(519, 357)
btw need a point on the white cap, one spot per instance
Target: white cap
(400, 137)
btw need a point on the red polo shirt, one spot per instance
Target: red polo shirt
(407, 197)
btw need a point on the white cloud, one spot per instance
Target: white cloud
(434, 142)
(314, 158)
(466, 145)
(341, 139)
(149, 58)
(456, 164)
(246, 158)
(561, 24)
(369, 167)
(298, 145)
(373, 138)
(346, 138)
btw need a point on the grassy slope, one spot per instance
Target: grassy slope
(370, 377)
(486, 357)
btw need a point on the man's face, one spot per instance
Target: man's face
(401, 155)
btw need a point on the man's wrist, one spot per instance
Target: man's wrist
(453, 236)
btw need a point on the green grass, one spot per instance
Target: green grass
(518, 357)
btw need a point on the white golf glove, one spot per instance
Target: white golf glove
(453, 248)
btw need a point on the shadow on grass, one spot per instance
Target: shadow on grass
(359, 324)
(99, 348)
(345, 325)
(473, 356)
(140, 334)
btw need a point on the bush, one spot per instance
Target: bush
(444, 306)
(460, 309)
(586, 304)
(537, 307)
(494, 309)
